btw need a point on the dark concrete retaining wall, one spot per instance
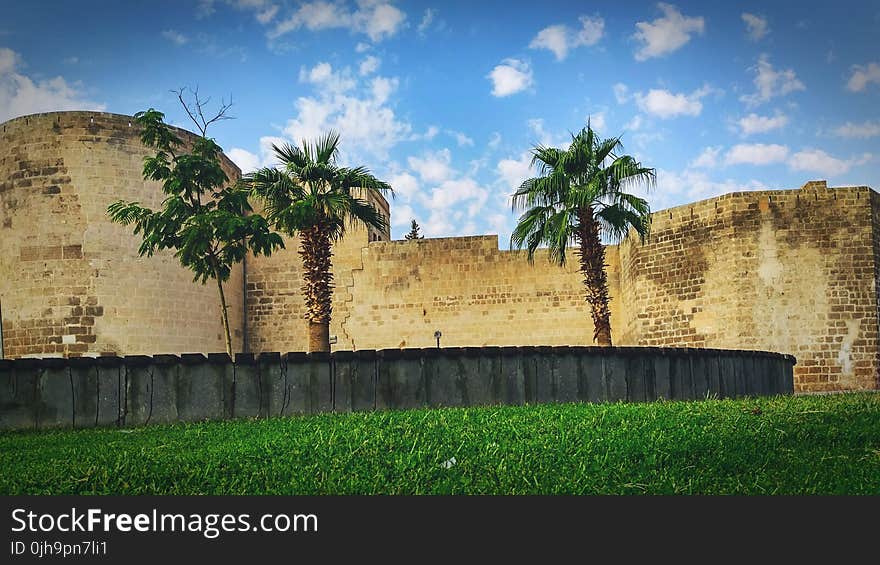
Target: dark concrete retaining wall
(136, 390)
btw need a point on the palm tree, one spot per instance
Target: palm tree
(311, 196)
(578, 198)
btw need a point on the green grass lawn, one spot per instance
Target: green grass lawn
(782, 445)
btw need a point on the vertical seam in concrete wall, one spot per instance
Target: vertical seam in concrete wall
(285, 395)
(72, 397)
(97, 394)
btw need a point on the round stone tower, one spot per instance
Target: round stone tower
(71, 281)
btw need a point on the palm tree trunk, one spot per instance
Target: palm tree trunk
(317, 289)
(224, 313)
(592, 256)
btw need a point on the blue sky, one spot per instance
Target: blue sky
(444, 99)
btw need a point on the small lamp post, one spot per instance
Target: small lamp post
(437, 336)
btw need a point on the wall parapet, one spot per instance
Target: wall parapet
(138, 390)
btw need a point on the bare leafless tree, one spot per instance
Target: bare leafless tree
(195, 108)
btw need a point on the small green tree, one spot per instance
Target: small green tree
(414, 232)
(207, 221)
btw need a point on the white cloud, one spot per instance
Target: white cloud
(357, 109)
(427, 20)
(560, 39)
(553, 38)
(207, 44)
(9, 60)
(267, 15)
(634, 124)
(248, 161)
(245, 160)
(862, 76)
(451, 201)
(513, 171)
(545, 137)
(597, 122)
(771, 83)
(323, 75)
(205, 8)
(264, 10)
(753, 123)
(369, 65)
(592, 30)
(378, 20)
(642, 140)
(460, 138)
(362, 47)
(175, 37)
(455, 191)
(664, 104)
(404, 184)
(667, 33)
(402, 214)
(860, 131)
(433, 167)
(314, 16)
(756, 154)
(675, 188)
(621, 93)
(708, 159)
(382, 88)
(817, 161)
(476, 165)
(756, 26)
(439, 225)
(510, 77)
(494, 140)
(500, 223)
(20, 95)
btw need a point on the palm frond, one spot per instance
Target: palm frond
(325, 148)
(311, 190)
(617, 221)
(290, 155)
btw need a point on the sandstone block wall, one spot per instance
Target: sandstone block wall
(275, 307)
(475, 294)
(71, 282)
(793, 271)
(398, 293)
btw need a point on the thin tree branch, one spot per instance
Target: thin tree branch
(197, 113)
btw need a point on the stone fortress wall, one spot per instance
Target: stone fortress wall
(791, 271)
(71, 282)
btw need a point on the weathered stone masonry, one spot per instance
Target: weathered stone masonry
(784, 270)
(793, 271)
(71, 282)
